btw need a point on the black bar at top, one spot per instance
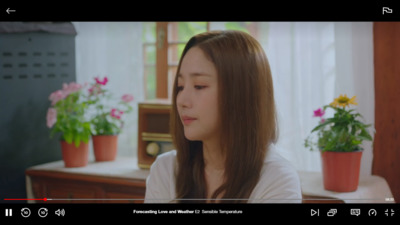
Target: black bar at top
(280, 10)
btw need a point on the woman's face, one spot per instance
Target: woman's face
(197, 99)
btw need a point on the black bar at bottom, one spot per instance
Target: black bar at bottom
(73, 213)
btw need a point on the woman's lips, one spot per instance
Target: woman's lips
(187, 120)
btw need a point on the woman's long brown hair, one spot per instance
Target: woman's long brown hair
(247, 112)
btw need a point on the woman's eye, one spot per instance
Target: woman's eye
(199, 87)
(179, 88)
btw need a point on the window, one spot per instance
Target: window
(163, 43)
(149, 59)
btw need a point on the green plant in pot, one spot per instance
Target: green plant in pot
(339, 140)
(106, 122)
(67, 116)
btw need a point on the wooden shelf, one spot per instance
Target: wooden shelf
(119, 181)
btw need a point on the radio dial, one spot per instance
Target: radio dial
(153, 149)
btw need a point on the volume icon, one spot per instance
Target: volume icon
(60, 212)
(8, 212)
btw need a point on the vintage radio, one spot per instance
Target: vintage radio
(154, 135)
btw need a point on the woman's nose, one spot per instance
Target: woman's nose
(183, 98)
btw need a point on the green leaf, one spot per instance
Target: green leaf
(322, 125)
(68, 137)
(86, 125)
(77, 140)
(356, 142)
(364, 135)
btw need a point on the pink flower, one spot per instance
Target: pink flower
(56, 96)
(67, 90)
(71, 88)
(51, 117)
(116, 113)
(95, 90)
(104, 82)
(319, 113)
(127, 98)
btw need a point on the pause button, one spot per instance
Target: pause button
(8, 212)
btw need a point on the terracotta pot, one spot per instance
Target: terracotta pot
(341, 170)
(75, 156)
(105, 147)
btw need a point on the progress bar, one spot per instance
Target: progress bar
(26, 199)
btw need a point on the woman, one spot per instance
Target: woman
(223, 124)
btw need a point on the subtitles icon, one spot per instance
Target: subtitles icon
(355, 212)
(386, 10)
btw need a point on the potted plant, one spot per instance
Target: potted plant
(339, 140)
(67, 116)
(106, 122)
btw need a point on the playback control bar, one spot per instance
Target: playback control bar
(68, 213)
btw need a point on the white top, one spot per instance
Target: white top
(279, 181)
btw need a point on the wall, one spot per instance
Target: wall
(33, 65)
(387, 104)
(113, 49)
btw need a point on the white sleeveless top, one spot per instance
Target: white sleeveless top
(279, 181)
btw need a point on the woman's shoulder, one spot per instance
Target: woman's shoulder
(160, 186)
(169, 155)
(274, 163)
(279, 180)
(273, 157)
(165, 161)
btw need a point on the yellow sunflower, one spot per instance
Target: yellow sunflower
(344, 101)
